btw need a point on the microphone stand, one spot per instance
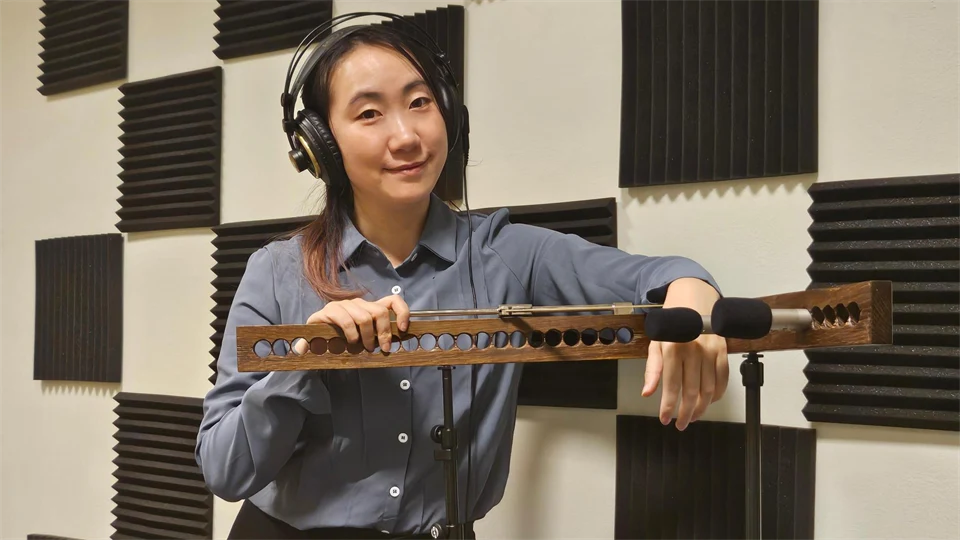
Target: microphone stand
(751, 371)
(446, 436)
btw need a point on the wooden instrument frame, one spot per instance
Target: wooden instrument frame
(844, 315)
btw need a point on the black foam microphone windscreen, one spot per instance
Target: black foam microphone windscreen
(741, 318)
(678, 325)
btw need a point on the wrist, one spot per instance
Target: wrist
(693, 293)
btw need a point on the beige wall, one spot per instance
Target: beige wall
(888, 107)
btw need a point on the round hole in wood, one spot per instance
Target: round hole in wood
(817, 315)
(262, 348)
(464, 341)
(318, 345)
(428, 342)
(410, 344)
(483, 340)
(500, 339)
(337, 345)
(517, 339)
(607, 336)
(445, 342)
(571, 337)
(589, 336)
(355, 348)
(554, 337)
(281, 347)
(536, 339)
(854, 310)
(624, 334)
(830, 315)
(300, 346)
(842, 313)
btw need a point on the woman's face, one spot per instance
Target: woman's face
(388, 126)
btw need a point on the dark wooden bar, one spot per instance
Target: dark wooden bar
(845, 315)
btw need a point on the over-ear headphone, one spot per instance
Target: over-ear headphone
(312, 145)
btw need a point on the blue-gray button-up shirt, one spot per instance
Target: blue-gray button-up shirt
(352, 448)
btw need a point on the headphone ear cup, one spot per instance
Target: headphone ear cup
(449, 102)
(322, 147)
(449, 105)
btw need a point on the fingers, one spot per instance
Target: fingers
(694, 376)
(691, 359)
(318, 317)
(651, 377)
(336, 315)
(708, 383)
(366, 322)
(723, 371)
(381, 322)
(672, 378)
(399, 306)
(363, 316)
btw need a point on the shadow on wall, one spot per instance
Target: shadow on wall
(204, 234)
(719, 189)
(110, 86)
(885, 435)
(79, 388)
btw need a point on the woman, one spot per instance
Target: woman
(348, 453)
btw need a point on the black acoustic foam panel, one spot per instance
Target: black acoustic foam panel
(84, 44)
(172, 132)
(590, 383)
(247, 27)
(446, 26)
(78, 333)
(690, 484)
(906, 230)
(717, 90)
(160, 489)
(233, 245)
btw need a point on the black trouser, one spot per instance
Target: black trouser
(254, 524)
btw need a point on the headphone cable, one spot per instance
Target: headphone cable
(473, 289)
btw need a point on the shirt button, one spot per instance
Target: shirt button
(394, 491)
(396, 289)
(402, 437)
(405, 384)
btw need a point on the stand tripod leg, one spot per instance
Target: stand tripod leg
(446, 436)
(751, 371)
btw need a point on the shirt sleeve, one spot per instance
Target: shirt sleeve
(252, 421)
(565, 269)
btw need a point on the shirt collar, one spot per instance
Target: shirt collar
(352, 239)
(439, 232)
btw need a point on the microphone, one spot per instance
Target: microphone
(740, 318)
(749, 318)
(678, 324)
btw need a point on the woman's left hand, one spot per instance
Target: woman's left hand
(694, 373)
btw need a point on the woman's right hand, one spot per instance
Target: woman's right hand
(363, 320)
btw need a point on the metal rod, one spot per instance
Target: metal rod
(751, 370)
(446, 435)
(526, 309)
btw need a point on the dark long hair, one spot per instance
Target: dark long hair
(321, 239)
